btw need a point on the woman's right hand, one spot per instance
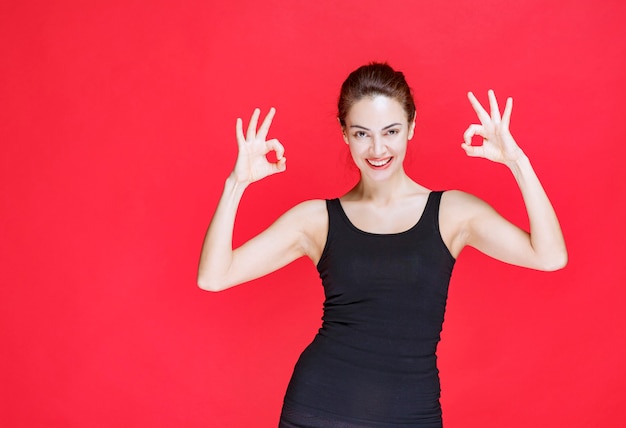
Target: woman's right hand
(252, 164)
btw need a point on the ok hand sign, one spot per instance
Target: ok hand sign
(498, 143)
(252, 164)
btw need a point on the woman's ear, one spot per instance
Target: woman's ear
(411, 129)
(343, 131)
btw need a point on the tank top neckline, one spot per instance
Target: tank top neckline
(347, 220)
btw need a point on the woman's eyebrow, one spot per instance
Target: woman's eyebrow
(390, 126)
(367, 129)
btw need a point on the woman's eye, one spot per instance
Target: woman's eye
(360, 134)
(393, 131)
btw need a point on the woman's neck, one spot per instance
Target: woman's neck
(383, 192)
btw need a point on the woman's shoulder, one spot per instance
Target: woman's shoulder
(458, 208)
(311, 219)
(459, 199)
(457, 211)
(309, 212)
(310, 206)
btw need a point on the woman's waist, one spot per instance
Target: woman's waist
(405, 342)
(403, 356)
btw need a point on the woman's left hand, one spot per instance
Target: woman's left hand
(498, 143)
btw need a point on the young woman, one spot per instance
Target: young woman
(385, 252)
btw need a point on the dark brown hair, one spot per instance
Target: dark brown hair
(371, 80)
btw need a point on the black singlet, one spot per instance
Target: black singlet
(373, 362)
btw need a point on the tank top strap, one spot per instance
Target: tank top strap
(334, 212)
(431, 210)
(430, 216)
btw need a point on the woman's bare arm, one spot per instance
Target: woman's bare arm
(287, 239)
(481, 226)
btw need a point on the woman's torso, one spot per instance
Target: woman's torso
(373, 361)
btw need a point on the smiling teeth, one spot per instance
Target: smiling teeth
(379, 163)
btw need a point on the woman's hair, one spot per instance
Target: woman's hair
(372, 80)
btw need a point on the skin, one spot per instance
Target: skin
(385, 200)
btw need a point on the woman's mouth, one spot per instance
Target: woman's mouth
(379, 163)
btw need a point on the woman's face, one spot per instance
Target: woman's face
(377, 132)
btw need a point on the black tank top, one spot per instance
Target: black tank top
(373, 362)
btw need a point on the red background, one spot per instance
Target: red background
(117, 127)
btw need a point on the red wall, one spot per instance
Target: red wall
(117, 127)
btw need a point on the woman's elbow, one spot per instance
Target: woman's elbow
(210, 284)
(555, 262)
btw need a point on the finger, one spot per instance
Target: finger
(472, 130)
(483, 116)
(473, 151)
(493, 104)
(265, 126)
(280, 165)
(277, 147)
(506, 116)
(251, 134)
(239, 132)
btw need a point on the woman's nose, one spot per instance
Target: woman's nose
(377, 147)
